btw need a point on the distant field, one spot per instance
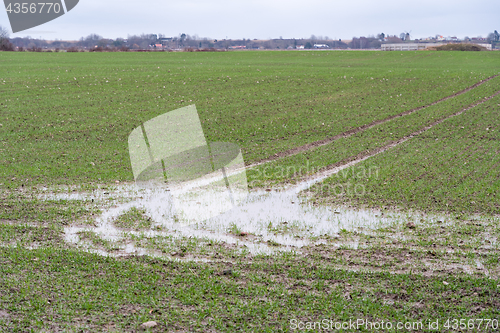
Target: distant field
(425, 248)
(66, 117)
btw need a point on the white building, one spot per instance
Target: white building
(419, 46)
(321, 46)
(407, 46)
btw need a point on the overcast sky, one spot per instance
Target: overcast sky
(263, 19)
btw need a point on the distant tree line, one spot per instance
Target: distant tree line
(95, 42)
(365, 43)
(183, 41)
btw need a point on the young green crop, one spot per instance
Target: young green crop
(80, 291)
(64, 123)
(66, 117)
(292, 168)
(450, 168)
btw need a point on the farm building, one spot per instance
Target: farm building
(419, 46)
(321, 46)
(407, 46)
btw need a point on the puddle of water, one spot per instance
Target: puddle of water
(283, 218)
(280, 217)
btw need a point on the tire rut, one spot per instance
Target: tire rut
(312, 145)
(353, 160)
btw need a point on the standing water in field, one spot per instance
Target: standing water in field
(188, 188)
(279, 217)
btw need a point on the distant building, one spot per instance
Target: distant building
(321, 46)
(407, 46)
(421, 46)
(237, 47)
(485, 45)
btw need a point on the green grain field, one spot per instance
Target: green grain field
(427, 123)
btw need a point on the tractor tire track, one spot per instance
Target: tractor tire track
(329, 170)
(312, 145)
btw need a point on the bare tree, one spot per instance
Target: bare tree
(394, 39)
(4, 33)
(182, 38)
(139, 42)
(5, 44)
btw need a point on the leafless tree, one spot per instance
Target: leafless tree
(4, 33)
(5, 44)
